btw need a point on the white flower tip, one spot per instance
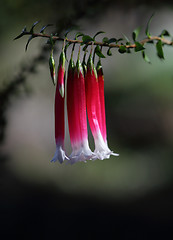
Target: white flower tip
(81, 156)
(59, 155)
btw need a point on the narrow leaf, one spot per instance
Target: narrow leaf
(87, 39)
(85, 47)
(165, 33)
(159, 49)
(148, 25)
(145, 57)
(30, 38)
(44, 27)
(33, 26)
(111, 40)
(139, 47)
(122, 49)
(135, 34)
(21, 34)
(97, 34)
(78, 34)
(105, 40)
(98, 52)
(109, 53)
(118, 40)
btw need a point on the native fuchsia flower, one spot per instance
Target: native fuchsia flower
(96, 110)
(59, 113)
(76, 108)
(83, 93)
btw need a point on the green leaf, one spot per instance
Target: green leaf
(135, 33)
(109, 53)
(97, 34)
(148, 25)
(139, 47)
(33, 26)
(120, 39)
(165, 33)
(78, 34)
(98, 52)
(145, 57)
(30, 38)
(85, 47)
(21, 34)
(111, 40)
(122, 49)
(159, 49)
(87, 39)
(105, 40)
(44, 27)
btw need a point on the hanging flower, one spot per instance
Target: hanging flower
(94, 110)
(102, 104)
(59, 112)
(76, 108)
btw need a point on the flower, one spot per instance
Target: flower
(59, 113)
(96, 111)
(76, 108)
(85, 96)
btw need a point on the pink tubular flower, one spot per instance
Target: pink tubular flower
(96, 110)
(59, 113)
(76, 107)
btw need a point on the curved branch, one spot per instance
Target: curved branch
(111, 45)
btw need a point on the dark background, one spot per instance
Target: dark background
(129, 197)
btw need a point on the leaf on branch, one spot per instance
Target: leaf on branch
(78, 34)
(21, 34)
(120, 39)
(44, 27)
(135, 34)
(29, 40)
(97, 34)
(159, 49)
(85, 47)
(164, 33)
(105, 40)
(111, 40)
(145, 57)
(98, 52)
(87, 39)
(139, 47)
(109, 53)
(122, 49)
(148, 25)
(33, 26)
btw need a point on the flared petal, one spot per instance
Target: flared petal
(59, 154)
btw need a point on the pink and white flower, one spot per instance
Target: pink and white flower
(96, 111)
(59, 113)
(76, 108)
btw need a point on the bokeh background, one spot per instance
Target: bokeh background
(129, 196)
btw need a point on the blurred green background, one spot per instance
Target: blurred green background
(129, 196)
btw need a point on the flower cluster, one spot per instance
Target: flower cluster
(85, 97)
